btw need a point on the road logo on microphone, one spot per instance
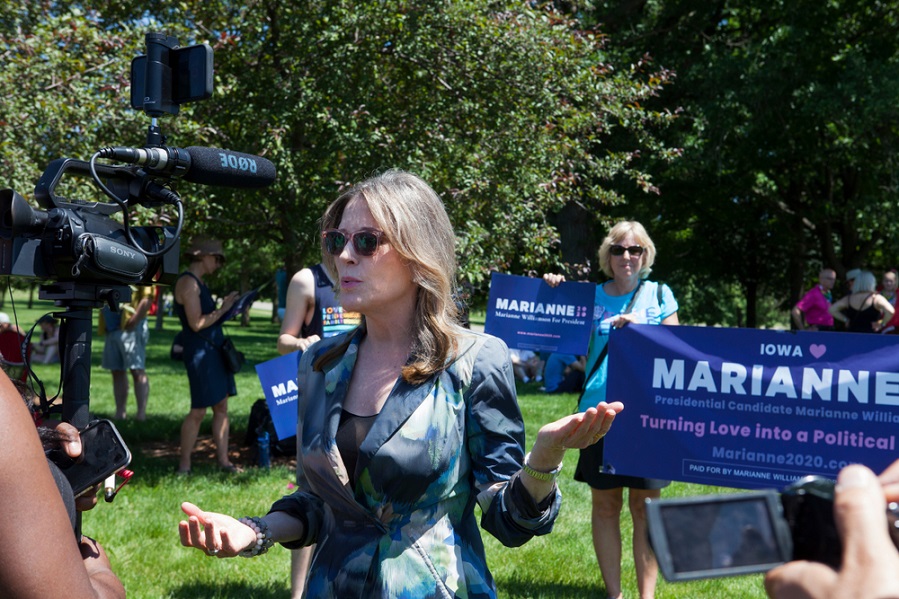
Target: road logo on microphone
(241, 163)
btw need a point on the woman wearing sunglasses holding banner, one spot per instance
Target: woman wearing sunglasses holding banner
(405, 423)
(626, 256)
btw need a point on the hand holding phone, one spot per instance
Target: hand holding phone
(103, 452)
(870, 561)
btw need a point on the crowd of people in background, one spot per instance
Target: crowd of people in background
(865, 308)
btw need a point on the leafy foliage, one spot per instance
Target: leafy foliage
(790, 137)
(510, 111)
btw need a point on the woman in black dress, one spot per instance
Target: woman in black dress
(210, 382)
(864, 310)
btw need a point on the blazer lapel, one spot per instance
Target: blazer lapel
(403, 400)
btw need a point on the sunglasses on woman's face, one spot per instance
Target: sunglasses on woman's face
(633, 250)
(365, 242)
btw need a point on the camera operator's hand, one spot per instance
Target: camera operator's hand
(870, 560)
(70, 443)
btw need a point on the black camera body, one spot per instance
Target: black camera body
(808, 510)
(72, 241)
(744, 533)
(80, 241)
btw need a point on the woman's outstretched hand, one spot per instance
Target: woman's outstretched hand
(575, 431)
(215, 534)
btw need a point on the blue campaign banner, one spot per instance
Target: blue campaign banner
(278, 378)
(750, 408)
(527, 313)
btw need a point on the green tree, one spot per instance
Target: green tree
(509, 111)
(790, 137)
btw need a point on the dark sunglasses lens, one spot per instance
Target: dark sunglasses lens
(633, 250)
(335, 241)
(366, 243)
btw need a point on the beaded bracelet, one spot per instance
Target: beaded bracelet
(263, 537)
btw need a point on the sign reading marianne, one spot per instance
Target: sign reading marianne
(750, 408)
(278, 378)
(527, 313)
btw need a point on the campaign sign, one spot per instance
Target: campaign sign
(527, 313)
(750, 408)
(278, 378)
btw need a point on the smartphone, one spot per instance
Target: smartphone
(186, 77)
(103, 452)
(719, 535)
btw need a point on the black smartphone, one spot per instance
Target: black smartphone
(188, 77)
(103, 452)
(718, 535)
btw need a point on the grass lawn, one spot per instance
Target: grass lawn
(139, 529)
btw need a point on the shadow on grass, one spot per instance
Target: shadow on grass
(155, 447)
(518, 589)
(231, 591)
(531, 589)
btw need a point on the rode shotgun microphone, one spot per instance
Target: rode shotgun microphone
(206, 166)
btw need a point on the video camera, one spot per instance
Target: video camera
(73, 240)
(79, 241)
(84, 252)
(744, 533)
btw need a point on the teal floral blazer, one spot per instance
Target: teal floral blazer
(409, 529)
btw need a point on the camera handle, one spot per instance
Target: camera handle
(75, 335)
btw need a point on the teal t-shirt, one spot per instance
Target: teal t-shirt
(653, 305)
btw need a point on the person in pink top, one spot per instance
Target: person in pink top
(812, 312)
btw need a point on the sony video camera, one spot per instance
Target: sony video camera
(79, 241)
(68, 240)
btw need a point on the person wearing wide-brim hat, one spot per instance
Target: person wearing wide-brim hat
(205, 247)
(202, 336)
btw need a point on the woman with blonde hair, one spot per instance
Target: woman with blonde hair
(626, 256)
(864, 310)
(405, 423)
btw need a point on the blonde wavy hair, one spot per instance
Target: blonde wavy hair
(417, 227)
(619, 232)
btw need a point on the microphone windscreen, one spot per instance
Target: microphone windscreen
(224, 168)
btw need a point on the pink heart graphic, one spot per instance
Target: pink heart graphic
(817, 350)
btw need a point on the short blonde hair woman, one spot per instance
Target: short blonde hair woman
(626, 256)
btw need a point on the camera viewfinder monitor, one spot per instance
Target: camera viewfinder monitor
(718, 535)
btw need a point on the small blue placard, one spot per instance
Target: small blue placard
(750, 408)
(278, 378)
(527, 313)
